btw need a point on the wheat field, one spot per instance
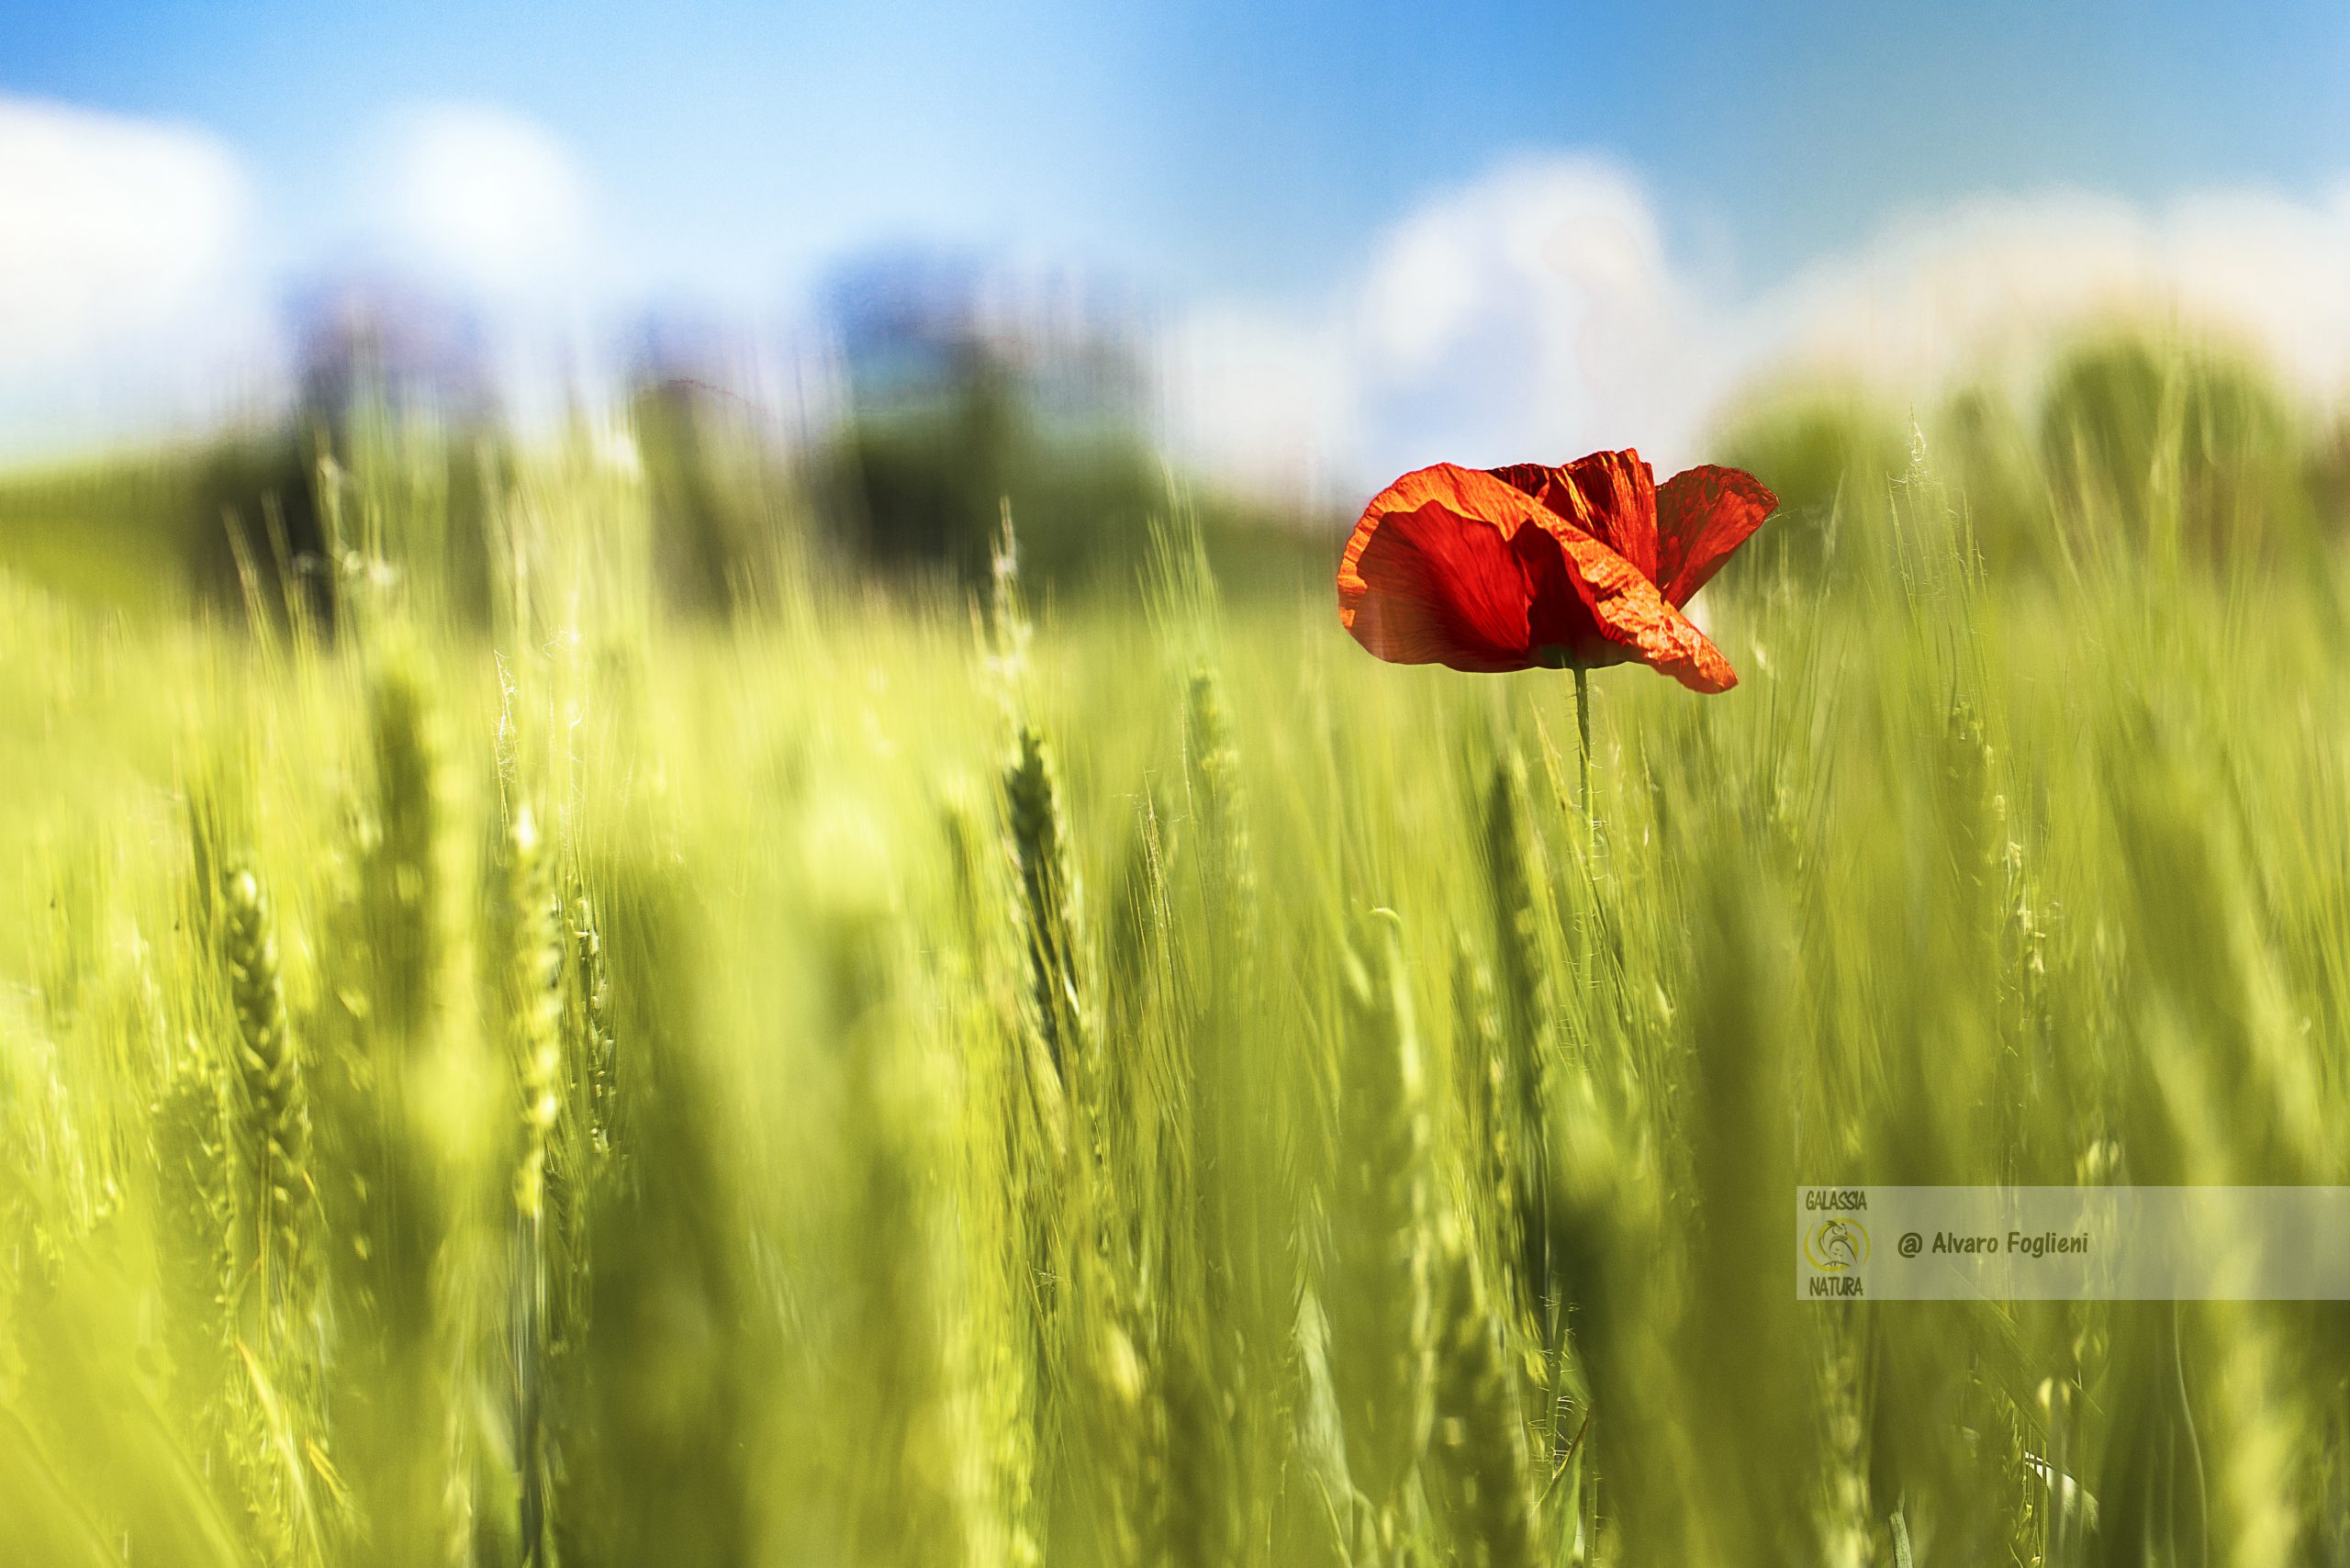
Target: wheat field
(990, 1078)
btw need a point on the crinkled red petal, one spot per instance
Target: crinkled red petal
(1609, 495)
(1702, 514)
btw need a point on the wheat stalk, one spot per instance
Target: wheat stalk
(1516, 1103)
(531, 956)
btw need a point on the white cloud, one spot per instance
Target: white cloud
(128, 290)
(1989, 285)
(136, 297)
(1535, 310)
(486, 199)
(494, 210)
(1538, 313)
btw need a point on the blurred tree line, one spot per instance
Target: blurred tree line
(2128, 439)
(943, 419)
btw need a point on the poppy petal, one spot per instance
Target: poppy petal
(1631, 614)
(1429, 576)
(1609, 495)
(1702, 514)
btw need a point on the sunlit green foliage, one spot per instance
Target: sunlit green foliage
(1136, 1081)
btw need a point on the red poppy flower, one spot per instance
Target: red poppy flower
(1528, 567)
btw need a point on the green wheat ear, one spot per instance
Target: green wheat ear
(198, 1245)
(1378, 1301)
(533, 956)
(275, 1143)
(1050, 904)
(588, 1020)
(406, 875)
(1481, 1460)
(1218, 803)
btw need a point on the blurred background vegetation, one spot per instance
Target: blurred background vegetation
(944, 426)
(945, 418)
(2072, 461)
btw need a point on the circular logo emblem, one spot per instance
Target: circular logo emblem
(1836, 1245)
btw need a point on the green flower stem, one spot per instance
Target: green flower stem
(1582, 730)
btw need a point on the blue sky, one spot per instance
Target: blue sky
(1233, 145)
